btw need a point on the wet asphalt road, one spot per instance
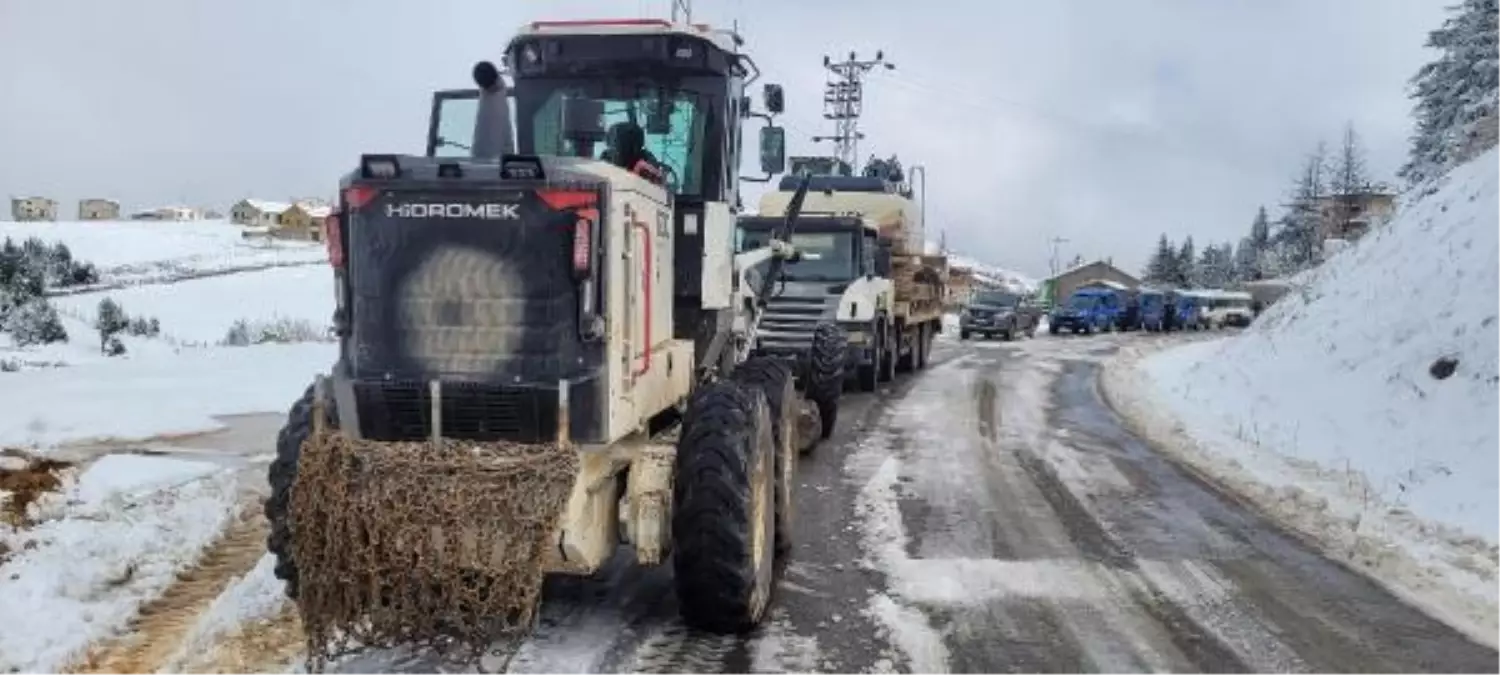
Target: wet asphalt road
(991, 514)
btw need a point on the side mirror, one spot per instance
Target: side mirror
(774, 98)
(772, 150)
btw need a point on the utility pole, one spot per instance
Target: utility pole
(843, 102)
(1056, 242)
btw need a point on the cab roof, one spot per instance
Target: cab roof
(727, 40)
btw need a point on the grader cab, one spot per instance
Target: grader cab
(547, 350)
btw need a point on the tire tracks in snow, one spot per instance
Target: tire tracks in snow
(163, 623)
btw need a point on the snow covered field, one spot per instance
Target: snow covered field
(130, 252)
(202, 310)
(176, 382)
(1362, 409)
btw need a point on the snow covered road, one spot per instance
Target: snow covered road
(993, 515)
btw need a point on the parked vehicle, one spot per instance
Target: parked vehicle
(991, 312)
(1130, 311)
(1192, 311)
(1086, 311)
(1230, 308)
(1152, 310)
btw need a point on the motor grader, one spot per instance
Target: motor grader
(548, 354)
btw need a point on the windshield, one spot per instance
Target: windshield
(580, 118)
(997, 298)
(826, 256)
(1081, 301)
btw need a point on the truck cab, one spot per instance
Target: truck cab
(840, 276)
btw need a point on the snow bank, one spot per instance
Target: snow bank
(201, 311)
(1327, 411)
(80, 575)
(128, 252)
(153, 395)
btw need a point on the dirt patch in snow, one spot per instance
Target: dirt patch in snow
(24, 478)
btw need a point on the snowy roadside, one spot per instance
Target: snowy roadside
(113, 538)
(1446, 573)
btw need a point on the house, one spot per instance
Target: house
(302, 220)
(98, 209)
(178, 213)
(257, 213)
(1097, 273)
(32, 208)
(1349, 217)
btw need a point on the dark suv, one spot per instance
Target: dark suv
(991, 313)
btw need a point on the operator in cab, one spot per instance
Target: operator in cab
(627, 150)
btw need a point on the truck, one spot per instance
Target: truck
(863, 267)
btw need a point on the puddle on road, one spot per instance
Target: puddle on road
(244, 438)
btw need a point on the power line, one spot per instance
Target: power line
(843, 102)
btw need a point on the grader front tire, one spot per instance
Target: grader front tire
(774, 379)
(825, 376)
(282, 474)
(723, 516)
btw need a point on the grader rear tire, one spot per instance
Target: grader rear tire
(282, 474)
(724, 516)
(774, 379)
(825, 377)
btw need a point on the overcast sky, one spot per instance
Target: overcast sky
(1106, 122)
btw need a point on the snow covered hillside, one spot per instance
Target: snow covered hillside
(129, 252)
(998, 276)
(1363, 408)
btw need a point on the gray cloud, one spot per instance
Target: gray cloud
(1103, 122)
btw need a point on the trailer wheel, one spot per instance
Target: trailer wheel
(723, 515)
(892, 352)
(774, 379)
(923, 348)
(281, 475)
(869, 374)
(825, 377)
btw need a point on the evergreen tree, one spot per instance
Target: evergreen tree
(1246, 261)
(1185, 270)
(1347, 180)
(1301, 233)
(1160, 266)
(35, 323)
(110, 321)
(1215, 267)
(1457, 93)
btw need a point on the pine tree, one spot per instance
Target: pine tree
(1160, 266)
(1215, 268)
(1457, 93)
(1186, 266)
(1347, 180)
(110, 321)
(1247, 265)
(1301, 233)
(35, 323)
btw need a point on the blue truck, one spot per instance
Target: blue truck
(1086, 311)
(1153, 310)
